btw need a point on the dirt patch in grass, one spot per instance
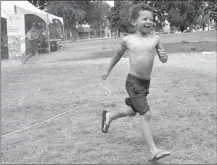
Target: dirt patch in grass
(182, 101)
(188, 47)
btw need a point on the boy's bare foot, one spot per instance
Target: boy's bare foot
(159, 154)
(105, 122)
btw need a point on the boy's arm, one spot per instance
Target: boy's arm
(116, 57)
(160, 51)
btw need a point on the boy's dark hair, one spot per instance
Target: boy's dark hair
(135, 9)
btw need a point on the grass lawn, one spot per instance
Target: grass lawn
(108, 50)
(182, 100)
(173, 43)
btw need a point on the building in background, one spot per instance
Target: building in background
(86, 32)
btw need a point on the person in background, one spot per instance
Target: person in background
(43, 39)
(32, 46)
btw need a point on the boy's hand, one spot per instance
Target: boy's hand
(160, 51)
(105, 75)
(163, 56)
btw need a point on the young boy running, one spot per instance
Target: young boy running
(141, 50)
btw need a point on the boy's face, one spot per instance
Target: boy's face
(144, 22)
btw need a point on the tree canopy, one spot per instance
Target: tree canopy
(180, 14)
(96, 13)
(41, 4)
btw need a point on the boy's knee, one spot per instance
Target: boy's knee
(147, 115)
(133, 113)
(129, 112)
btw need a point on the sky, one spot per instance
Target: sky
(111, 3)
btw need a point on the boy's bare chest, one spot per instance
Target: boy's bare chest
(142, 45)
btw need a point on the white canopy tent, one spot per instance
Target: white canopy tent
(25, 7)
(6, 8)
(3, 14)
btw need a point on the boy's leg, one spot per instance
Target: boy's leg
(109, 116)
(147, 134)
(147, 131)
(26, 59)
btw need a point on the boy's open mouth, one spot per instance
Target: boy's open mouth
(146, 26)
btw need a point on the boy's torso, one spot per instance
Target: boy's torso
(141, 53)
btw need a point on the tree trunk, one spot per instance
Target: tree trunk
(95, 33)
(99, 31)
(191, 28)
(74, 33)
(119, 33)
(67, 31)
(182, 29)
(203, 27)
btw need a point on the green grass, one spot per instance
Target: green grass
(109, 50)
(190, 47)
(165, 38)
(182, 101)
(173, 43)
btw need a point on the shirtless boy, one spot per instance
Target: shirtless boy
(141, 48)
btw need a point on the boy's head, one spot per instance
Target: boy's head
(141, 16)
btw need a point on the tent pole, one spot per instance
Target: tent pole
(64, 35)
(47, 24)
(15, 9)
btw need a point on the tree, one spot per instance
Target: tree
(213, 10)
(96, 13)
(203, 21)
(208, 14)
(119, 17)
(160, 15)
(180, 14)
(186, 14)
(71, 11)
(113, 16)
(41, 4)
(77, 13)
